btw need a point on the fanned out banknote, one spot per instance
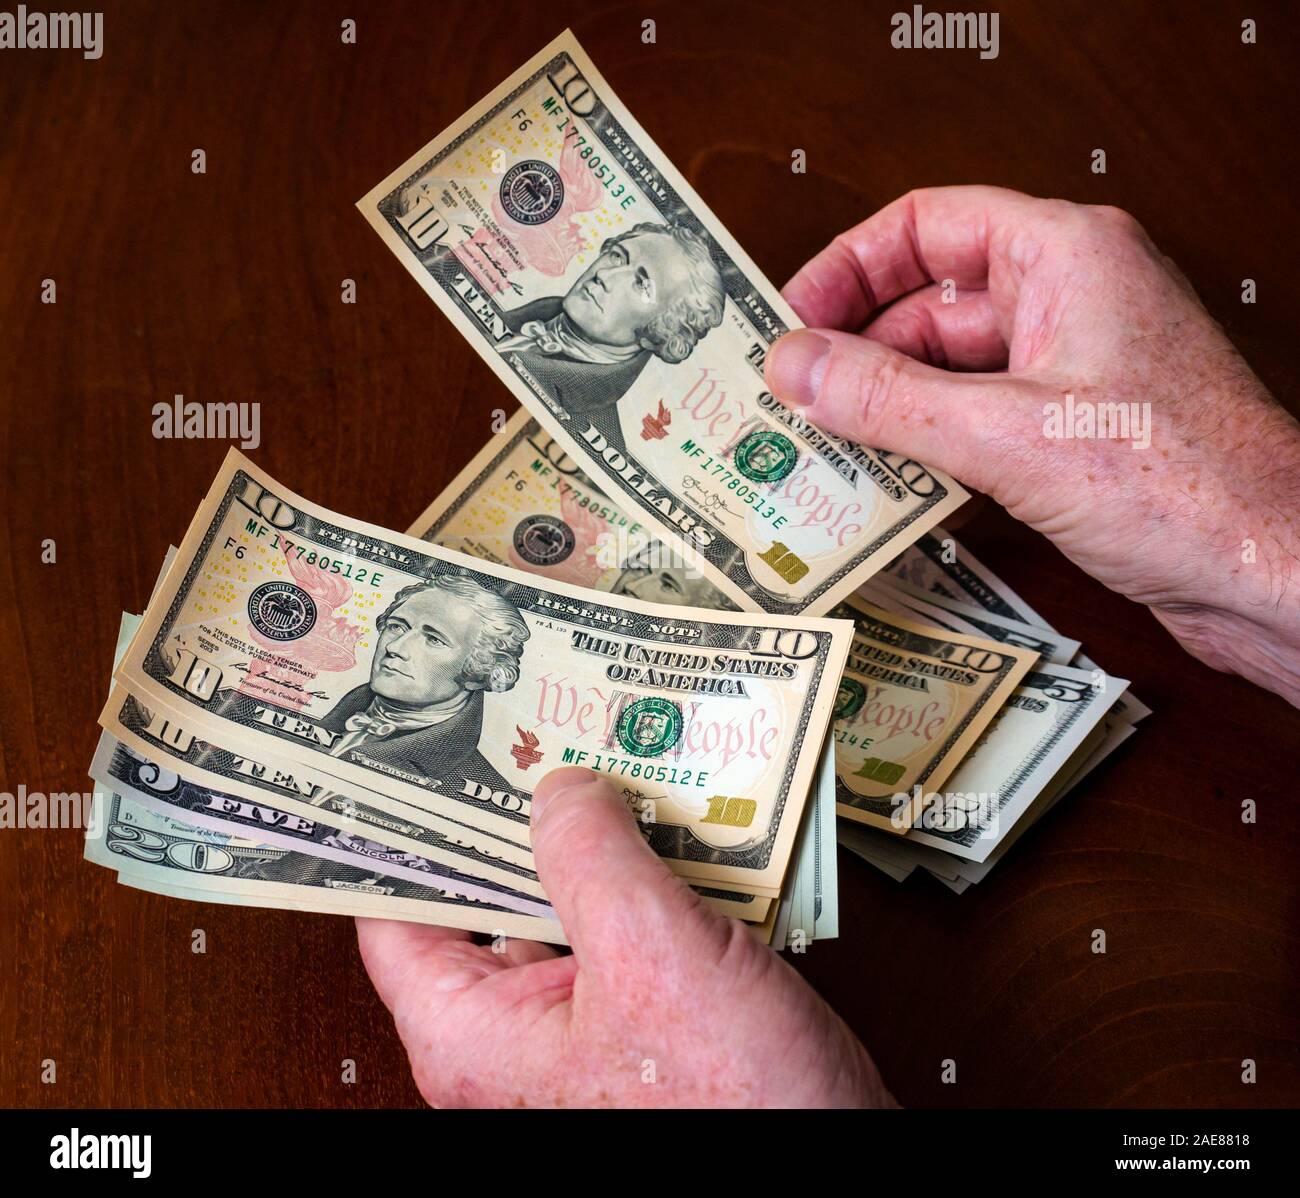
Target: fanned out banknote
(294, 654)
(521, 483)
(164, 834)
(126, 773)
(897, 596)
(912, 704)
(170, 857)
(1060, 724)
(654, 570)
(163, 737)
(561, 242)
(158, 845)
(524, 502)
(191, 819)
(160, 836)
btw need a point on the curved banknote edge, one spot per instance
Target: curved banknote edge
(376, 899)
(136, 779)
(913, 701)
(938, 562)
(162, 802)
(159, 733)
(120, 769)
(132, 772)
(442, 679)
(188, 862)
(567, 249)
(893, 593)
(1044, 724)
(523, 502)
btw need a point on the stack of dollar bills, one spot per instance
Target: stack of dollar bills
(759, 633)
(316, 712)
(1062, 720)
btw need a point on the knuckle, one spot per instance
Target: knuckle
(877, 390)
(915, 196)
(1116, 220)
(1060, 211)
(841, 252)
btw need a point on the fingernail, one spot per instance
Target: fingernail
(556, 781)
(796, 366)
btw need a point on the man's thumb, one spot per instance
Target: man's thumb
(610, 891)
(876, 396)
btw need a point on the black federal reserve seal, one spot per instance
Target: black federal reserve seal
(543, 540)
(281, 611)
(532, 192)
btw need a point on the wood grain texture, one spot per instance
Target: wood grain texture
(226, 287)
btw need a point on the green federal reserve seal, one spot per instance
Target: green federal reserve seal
(766, 456)
(649, 727)
(849, 699)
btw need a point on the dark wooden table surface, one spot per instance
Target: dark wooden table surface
(226, 286)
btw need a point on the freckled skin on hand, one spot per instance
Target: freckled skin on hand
(1055, 298)
(657, 978)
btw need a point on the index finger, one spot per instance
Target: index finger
(923, 237)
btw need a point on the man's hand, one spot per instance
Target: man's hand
(663, 1002)
(1203, 526)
